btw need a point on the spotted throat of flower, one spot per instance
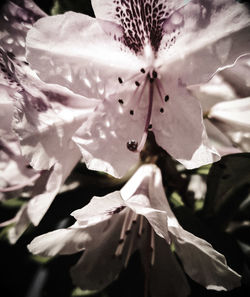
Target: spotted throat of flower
(144, 23)
(146, 82)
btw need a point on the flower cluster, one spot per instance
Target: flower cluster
(80, 89)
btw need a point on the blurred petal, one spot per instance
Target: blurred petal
(17, 17)
(233, 119)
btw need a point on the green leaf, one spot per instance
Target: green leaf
(78, 292)
(13, 203)
(61, 6)
(40, 259)
(227, 186)
(176, 199)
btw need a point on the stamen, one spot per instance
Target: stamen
(137, 83)
(143, 70)
(148, 118)
(126, 229)
(130, 249)
(140, 226)
(166, 98)
(154, 74)
(120, 80)
(160, 89)
(120, 246)
(152, 245)
(161, 110)
(120, 101)
(132, 145)
(131, 112)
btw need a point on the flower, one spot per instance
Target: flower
(110, 228)
(42, 117)
(137, 58)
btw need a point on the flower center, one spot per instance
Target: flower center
(149, 79)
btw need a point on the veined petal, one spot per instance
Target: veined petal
(141, 21)
(79, 54)
(211, 35)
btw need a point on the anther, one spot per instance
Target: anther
(120, 80)
(154, 74)
(132, 145)
(137, 83)
(150, 127)
(143, 70)
(161, 110)
(131, 112)
(120, 101)
(166, 98)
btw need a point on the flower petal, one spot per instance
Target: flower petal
(238, 76)
(144, 194)
(220, 140)
(63, 241)
(233, 119)
(46, 117)
(103, 139)
(49, 184)
(166, 274)
(16, 19)
(98, 265)
(99, 209)
(202, 263)
(61, 56)
(211, 35)
(108, 10)
(179, 128)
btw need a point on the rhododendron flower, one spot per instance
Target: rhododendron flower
(137, 58)
(44, 117)
(109, 229)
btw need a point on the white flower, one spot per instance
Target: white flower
(137, 58)
(109, 229)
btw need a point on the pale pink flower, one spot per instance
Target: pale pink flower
(137, 58)
(44, 117)
(138, 217)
